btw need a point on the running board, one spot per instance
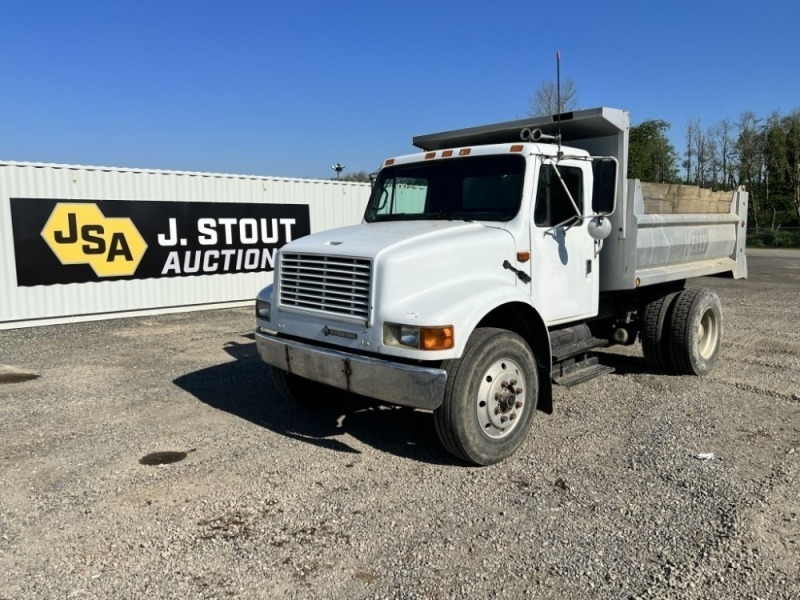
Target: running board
(581, 375)
(562, 353)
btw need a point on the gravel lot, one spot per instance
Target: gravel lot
(606, 499)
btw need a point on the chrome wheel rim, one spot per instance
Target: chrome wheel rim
(707, 334)
(501, 398)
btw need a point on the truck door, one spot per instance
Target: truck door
(565, 282)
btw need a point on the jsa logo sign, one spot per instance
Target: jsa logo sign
(81, 234)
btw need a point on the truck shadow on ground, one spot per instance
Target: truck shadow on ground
(627, 365)
(244, 388)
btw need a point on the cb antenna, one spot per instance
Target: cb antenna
(558, 99)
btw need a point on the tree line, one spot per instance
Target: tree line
(761, 153)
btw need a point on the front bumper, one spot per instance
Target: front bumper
(393, 382)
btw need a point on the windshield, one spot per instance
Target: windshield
(478, 187)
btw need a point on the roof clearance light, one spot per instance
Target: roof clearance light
(517, 148)
(447, 153)
(430, 155)
(464, 151)
(389, 162)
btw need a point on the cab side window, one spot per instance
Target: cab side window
(552, 203)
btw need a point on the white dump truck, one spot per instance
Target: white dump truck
(487, 268)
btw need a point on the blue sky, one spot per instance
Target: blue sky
(289, 88)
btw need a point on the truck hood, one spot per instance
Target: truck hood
(422, 269)
(372, 240)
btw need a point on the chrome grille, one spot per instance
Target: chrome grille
(337, 285)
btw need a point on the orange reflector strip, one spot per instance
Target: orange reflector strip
(464, 151)
(447, 153)
(436, 338)
(389, 162)
(430, 155)
(523, 256)
(517, 148)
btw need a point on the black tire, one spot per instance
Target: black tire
(490, 397)
(695, 331)
(311, 394)
(655, 332)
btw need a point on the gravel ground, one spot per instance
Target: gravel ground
(606, 499)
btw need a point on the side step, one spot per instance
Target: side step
(581, 375)
(573, 364)
(561, 353)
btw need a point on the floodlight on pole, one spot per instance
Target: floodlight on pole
(338, 167)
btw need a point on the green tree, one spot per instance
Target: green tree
(776, 168)
(749, 148)
(792, 124)
(651, 156)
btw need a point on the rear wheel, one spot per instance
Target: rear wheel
(696, 331)
(490, 397)
(655, 332)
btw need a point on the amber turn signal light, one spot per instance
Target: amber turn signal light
(437, 338)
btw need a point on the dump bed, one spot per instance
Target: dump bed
(645, 247)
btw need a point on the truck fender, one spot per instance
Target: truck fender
(521, 317)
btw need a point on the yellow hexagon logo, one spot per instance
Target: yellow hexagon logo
(81, 234)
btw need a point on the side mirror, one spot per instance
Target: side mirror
(599, 228)
(604, 189)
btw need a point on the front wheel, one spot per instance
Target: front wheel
(490, 397)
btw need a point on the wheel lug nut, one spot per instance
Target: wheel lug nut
(518, 391)
(498, 397)
(518, 404)
(497, 410)
(513, 382)
(513, 416)
(503, 419)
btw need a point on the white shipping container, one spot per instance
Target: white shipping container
(83, 243)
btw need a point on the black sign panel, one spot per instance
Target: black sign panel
(76, 241)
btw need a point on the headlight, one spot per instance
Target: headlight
(423, 338)
(263, 310)
(408, 336)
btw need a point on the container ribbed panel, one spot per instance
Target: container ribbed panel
(331, 204)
